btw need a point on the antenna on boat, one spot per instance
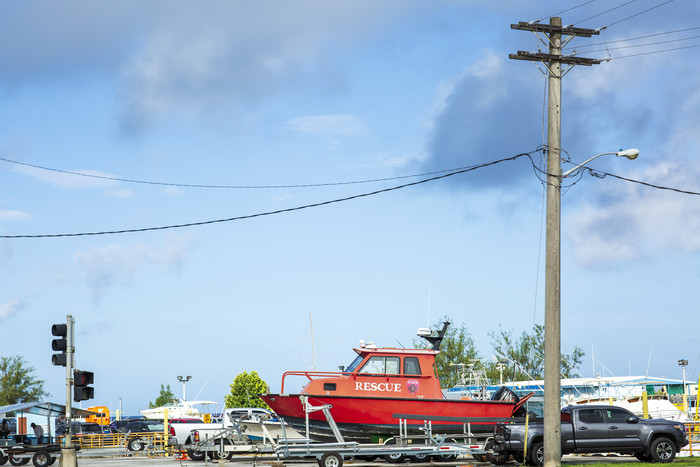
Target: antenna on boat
(437, 340)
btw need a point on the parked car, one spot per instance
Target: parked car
(145, 426)
(80, 429)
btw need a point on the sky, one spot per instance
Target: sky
(144, 115)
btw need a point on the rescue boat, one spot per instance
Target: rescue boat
(380, 384)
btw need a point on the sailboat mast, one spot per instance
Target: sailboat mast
(313, 350)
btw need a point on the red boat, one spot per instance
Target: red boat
(383, 382)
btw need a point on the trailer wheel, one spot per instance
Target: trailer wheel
(18, 460)
(419, 458)
(194, 455)
(662, 450)
(445, 457)
(41, 459)
(331, 459)
(3, 458)
(479, 457)
(136, 444)
(499, 458)
(518, 457)
(536, 453)
(395, 458)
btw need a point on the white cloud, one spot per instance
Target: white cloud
(637, 222)
(14, 215)
(11, 308)
(90, 179)
(330, 126)
(103, 267)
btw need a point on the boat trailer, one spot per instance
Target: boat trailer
(331, 454)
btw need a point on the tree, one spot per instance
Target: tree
(17, 382)
(165, 397)
(524, 357)
(457, 355)
(245, 390)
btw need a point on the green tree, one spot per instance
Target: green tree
(524, 357)
(165, 397)
(17, 382)
(458, 355)
(245, 390)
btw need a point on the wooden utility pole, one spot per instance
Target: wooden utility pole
(552, 318)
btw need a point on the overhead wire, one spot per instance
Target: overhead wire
(278, 211)
(193, 185)
(632, 38)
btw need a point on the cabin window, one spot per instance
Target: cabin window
(355, 363)
(590, 415)
(411, 366)
(382, 366)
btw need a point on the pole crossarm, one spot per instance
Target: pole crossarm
(542, 57)
(549, 29)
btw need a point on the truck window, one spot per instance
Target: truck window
(411, 366)
(617, 415)
(590, 415)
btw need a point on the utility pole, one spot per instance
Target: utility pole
(552, 319)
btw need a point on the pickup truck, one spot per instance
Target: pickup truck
(182, 434)
(592, 429)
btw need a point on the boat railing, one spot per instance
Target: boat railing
(311, 375)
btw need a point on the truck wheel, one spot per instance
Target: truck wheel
(41, 459)
(331, 459)
(3, 458)
(395, 458)
(536, 453)
(497, 458)
(662, 450)
(136, 444)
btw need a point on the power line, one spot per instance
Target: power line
(279, 211)
(632, 38)
(606, 11)
(655, 52)
(566, 11)
(640, 13)
(193, 185)
(640, 45)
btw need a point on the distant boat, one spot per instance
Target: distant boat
(178, 408)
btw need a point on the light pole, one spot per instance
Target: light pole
(684, 363)
(183, 380)
(552, 316)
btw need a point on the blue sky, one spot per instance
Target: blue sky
(274, 93)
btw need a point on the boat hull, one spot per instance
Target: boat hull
(362, 418)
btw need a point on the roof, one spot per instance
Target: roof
(42, 408)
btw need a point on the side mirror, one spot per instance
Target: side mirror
(633, 419)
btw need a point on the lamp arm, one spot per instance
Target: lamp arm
(570, 171)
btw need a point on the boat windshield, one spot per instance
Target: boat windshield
(354, 364)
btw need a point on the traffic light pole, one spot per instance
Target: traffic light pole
(70, 349)
(68, 455)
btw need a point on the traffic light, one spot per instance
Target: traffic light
(81, 390)
(59, 345)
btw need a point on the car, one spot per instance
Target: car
(80, 429)
(145, 426)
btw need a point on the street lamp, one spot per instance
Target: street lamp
(552, 307)
(630, 154)
(684, 363)
(183, 380)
